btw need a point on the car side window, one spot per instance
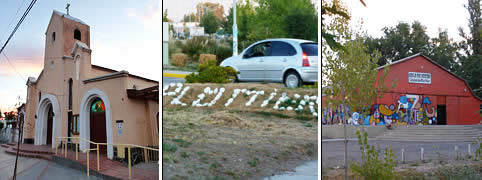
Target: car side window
(262, 49)
(282, 49)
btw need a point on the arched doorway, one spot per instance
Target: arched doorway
(84, 119)
(98, 125)
(50, 121)
(47, 123)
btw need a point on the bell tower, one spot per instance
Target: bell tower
(62, 33)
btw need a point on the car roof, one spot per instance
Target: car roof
(289, 39)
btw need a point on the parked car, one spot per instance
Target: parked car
(291, 61)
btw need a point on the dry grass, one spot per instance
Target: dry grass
(179, 59)
(226, 119)
(204, 58)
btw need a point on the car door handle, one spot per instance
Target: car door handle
(261, 60)
(284, 60)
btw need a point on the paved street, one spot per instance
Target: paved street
(168, 80)
(333, 151)
(31, 168)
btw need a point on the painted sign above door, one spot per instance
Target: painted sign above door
(419, 78)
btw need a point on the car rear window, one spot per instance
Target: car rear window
(310, 49)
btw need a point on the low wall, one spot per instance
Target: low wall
(337, 132)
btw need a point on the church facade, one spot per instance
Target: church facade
(74, 98)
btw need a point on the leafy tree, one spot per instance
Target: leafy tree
(210, 23)
(191, 17)
(443, 51)
(10, 115)
(470, 60)
(339, 15)
(301, 23)
(164, 16)
(400, 41)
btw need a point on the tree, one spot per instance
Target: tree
(164, 16)
(209, 22)
(301, 23)
(470, 67)
(443, 51)
(10, 115)
(191, 17)
(351, 80)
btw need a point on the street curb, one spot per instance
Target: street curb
(173, 75)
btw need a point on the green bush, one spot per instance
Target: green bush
(223, 52)
(478, 152)
(211, 73)
(193, 47)
(372, 166)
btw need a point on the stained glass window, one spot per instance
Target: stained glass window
(98, 106)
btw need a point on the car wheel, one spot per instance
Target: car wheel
(292, 80)
(235, 80)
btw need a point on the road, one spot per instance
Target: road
(31, 168)
(168, 80)
(333, 151)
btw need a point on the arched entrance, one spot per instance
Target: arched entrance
(97, 124)
(47, 123)
(85, 120)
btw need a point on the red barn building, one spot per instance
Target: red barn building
(426, 93)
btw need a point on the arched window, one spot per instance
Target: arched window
(77, 35)
(53, 36)
(70, 94)
(97, 106)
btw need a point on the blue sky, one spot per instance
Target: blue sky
(125, 35)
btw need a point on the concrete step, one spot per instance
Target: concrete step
(426, 140)
(29, 155)
(433, 133)
(33, 151)
(5, 145)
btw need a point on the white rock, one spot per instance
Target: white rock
(289, 108)
(297, 96)
(312, 103)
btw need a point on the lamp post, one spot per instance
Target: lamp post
(235, 31)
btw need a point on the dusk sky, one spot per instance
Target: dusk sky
(124, 35)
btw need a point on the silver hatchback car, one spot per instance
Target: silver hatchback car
(291, 61)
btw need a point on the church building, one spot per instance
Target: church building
(74, 98)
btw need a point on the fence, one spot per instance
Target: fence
(405, 152)
(149, 154)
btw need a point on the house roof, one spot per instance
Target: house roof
(433, 62)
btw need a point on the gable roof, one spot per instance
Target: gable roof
(433, 62)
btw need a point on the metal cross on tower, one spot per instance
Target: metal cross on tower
(68, 5)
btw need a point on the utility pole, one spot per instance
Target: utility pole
(20, 133)
(235, 31)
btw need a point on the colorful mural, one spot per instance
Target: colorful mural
(408, 110)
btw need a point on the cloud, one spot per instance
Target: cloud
(150, 16)
(26, 66)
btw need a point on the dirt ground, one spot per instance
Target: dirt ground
(201, 143)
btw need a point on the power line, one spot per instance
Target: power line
(13, 18)
(18, 24)
(13, 67)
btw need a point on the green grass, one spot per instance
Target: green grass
(253, 162)
(167, 147)
(183, 143)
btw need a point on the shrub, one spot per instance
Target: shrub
(478, 152)
(179, 59)
(372, 166)
(203, 58)
(223, 52)
(174, 47)
(193, 47)
(211, 73)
